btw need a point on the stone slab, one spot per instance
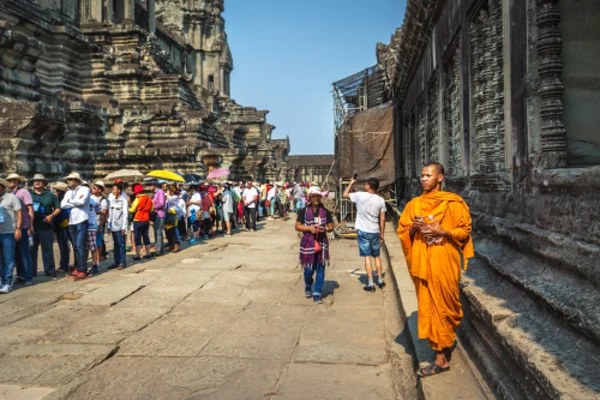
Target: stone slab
(184, 332)
(335, 382)
(109, 327)
(122, 287)
(49, 365)
(260, 331)
(18, 392)
(126, 378)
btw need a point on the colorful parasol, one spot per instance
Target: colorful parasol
(125, 174)
(218, 173)
(166, 175)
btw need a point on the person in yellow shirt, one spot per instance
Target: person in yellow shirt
(435, 228)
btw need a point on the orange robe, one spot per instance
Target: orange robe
(435, 269)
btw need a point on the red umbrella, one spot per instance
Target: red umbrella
(218, 173)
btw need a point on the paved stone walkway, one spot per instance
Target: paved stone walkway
(226, 319)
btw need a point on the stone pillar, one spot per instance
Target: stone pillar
(151, 16)
(129, 12)
(549, 46)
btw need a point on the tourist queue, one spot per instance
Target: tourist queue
(78, 214)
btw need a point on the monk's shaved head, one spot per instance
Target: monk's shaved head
(439, 167)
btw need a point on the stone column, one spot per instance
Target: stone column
(549, 46)
(151, 16)
(129, 12)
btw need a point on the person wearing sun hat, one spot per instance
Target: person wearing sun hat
(22, 255)
(77, 199)
(46, 208)
(10, 234)
(314, 222)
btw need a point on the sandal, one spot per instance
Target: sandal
(432, 369)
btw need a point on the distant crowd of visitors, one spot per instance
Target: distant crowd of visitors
(78, 215)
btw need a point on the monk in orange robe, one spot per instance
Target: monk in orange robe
(435, 228)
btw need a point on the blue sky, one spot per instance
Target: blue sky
(287, 53)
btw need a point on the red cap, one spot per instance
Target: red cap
(137, 188)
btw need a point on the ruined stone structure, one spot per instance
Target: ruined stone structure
(505, 94)
(99, 85)
(317, 169)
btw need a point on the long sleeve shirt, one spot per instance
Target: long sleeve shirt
(118, 215)
(159, 203)
(78, 201)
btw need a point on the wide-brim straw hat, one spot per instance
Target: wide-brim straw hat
(4, 183)
(74, 175)
(15, 176)
(63, 187)
(39, 177)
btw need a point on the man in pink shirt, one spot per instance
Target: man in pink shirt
(22, 254)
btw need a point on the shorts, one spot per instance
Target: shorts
(100, 237)
(368, 244)
(227, 216)
(196, 225)
(92, 241)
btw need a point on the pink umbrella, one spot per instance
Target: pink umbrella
(218, 173)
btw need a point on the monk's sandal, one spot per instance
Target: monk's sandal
(432, 369)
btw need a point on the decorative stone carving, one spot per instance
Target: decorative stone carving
(453, 115)
(433, 132)
(486, 37)
(422, 135)
(550, 66)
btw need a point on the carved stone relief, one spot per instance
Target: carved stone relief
(453, 118)
(433, 132)
(487, 88)
(422, 136)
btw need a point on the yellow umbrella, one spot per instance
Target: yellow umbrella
(166, 175)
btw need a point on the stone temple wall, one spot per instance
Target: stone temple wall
(100, 86)
(480, 88)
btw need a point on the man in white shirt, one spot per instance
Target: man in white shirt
(370, 223)
(227, 207)
(195, 208)
(77, 199)
(250, 197)
(98, 194)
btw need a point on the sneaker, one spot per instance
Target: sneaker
(63, 269)
(94, 270)
(228, 235)
(5, 289)
(308, 293)
(112, 266)
(74, 273)
(137, 258)
(29, 282)
(369, 289)
(19, 279)
(147, 256)
(318, 299)
(381, 284)
(120, 267)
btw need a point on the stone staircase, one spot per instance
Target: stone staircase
(532, 326)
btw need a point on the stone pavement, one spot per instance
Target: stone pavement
(225, 319)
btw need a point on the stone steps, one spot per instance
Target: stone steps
(572, 297)
(526, 348)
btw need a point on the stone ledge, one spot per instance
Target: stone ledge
(571, 297)
(516, 339)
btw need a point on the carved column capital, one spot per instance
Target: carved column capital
(550, 66)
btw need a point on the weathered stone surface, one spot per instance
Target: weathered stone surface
(113, 87)
(363, 382)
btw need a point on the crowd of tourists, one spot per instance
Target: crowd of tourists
(79, 215)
